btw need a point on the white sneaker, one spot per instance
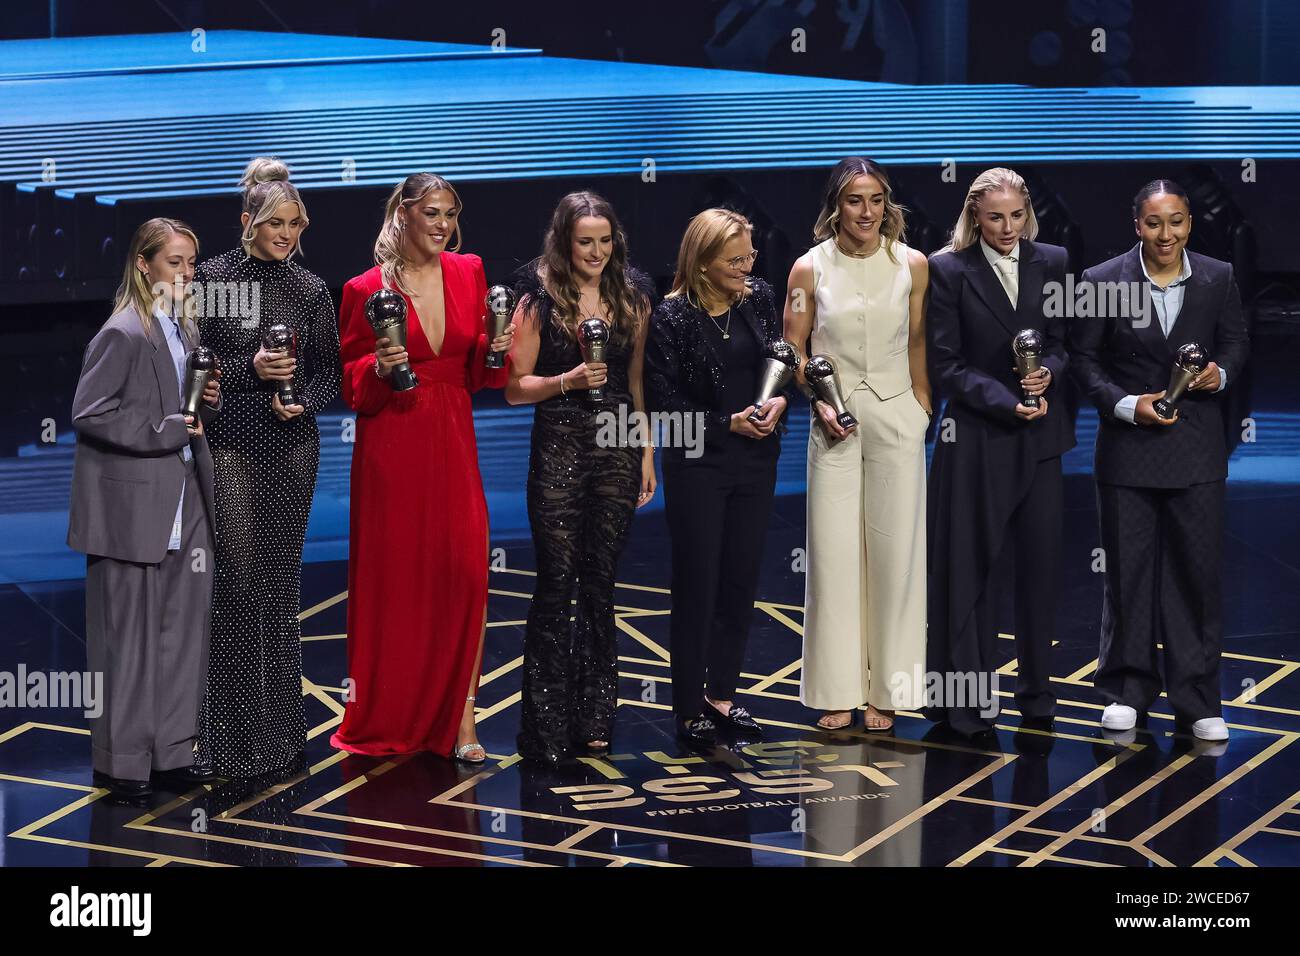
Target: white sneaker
(1118, 717)
(1210, 728)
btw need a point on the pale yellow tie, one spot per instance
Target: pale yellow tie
(1008, 273)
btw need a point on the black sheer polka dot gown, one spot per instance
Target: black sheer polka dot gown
(581, 499)
(252, 720)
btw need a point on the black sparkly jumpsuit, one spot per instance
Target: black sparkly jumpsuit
(581, 498)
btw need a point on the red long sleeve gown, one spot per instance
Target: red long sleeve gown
(417, 569)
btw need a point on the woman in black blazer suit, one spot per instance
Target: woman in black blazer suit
(704, 360)
(1160, 483)
(995, 480)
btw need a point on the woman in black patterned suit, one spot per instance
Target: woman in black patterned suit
(705, 359)
(582, 488)
(1160, 482)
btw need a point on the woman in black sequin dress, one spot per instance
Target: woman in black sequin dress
(584, 480)
(266, 456)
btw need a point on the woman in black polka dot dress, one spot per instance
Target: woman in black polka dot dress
(266, 457)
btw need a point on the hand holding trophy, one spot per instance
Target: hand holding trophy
(200, 366)
(593, 337)
(1188, 363)
(820, 373)
(1027, 347)
(386, 313)
(500, 303)
(280, 338)
(780, 361)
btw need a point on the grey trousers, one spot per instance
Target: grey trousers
(147, 632)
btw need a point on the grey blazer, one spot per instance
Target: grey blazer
(128, 471)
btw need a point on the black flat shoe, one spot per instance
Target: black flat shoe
(698, 731)
(737, 720)
(184, 776)
(121, 787)
(598, 750)
(1043, 722)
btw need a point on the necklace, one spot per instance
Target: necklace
(857, 255)
(726, 332)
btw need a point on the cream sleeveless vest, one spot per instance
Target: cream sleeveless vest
(861, 320)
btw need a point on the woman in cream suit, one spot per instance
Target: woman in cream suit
(858, 297)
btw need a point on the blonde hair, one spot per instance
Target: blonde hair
(967, 230)
(388, 246)
(893, 228)
(266, 186)
(135, 290)
(704, 238)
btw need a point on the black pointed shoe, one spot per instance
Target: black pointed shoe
(698, 731)
(737, 720)
(184, 776)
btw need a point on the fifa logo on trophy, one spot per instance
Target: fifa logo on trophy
(593, 337)
(280, 338)
(1027, 347)
(820, 373)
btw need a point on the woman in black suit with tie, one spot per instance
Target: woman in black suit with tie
(1160, 482)
(995, 480)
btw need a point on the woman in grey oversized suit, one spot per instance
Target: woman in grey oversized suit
(142, 513)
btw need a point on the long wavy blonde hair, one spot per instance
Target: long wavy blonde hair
(135, 290)
(704, 238)
(967, 230)
(893, 227)
(388, 246)
(266, 186)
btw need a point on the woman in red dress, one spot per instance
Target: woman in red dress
(417, 574)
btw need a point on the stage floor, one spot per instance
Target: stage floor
(1074, 796)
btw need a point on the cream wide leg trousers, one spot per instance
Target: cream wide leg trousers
(865, 596)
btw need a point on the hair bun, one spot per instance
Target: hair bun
(264, 169)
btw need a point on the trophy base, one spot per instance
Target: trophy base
(402, 379)
(288, 398)
(1031, 401)
(495, 360)
(1164, 409)
(756, 416)
(847, 421)
(595, 396)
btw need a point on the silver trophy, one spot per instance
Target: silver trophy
(1027, 347)
(1188, 363)
(386, 312)
(780, 360)
(500, 303)
(593, 337)
(199, 366)
(280, 338)
(820, 372)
